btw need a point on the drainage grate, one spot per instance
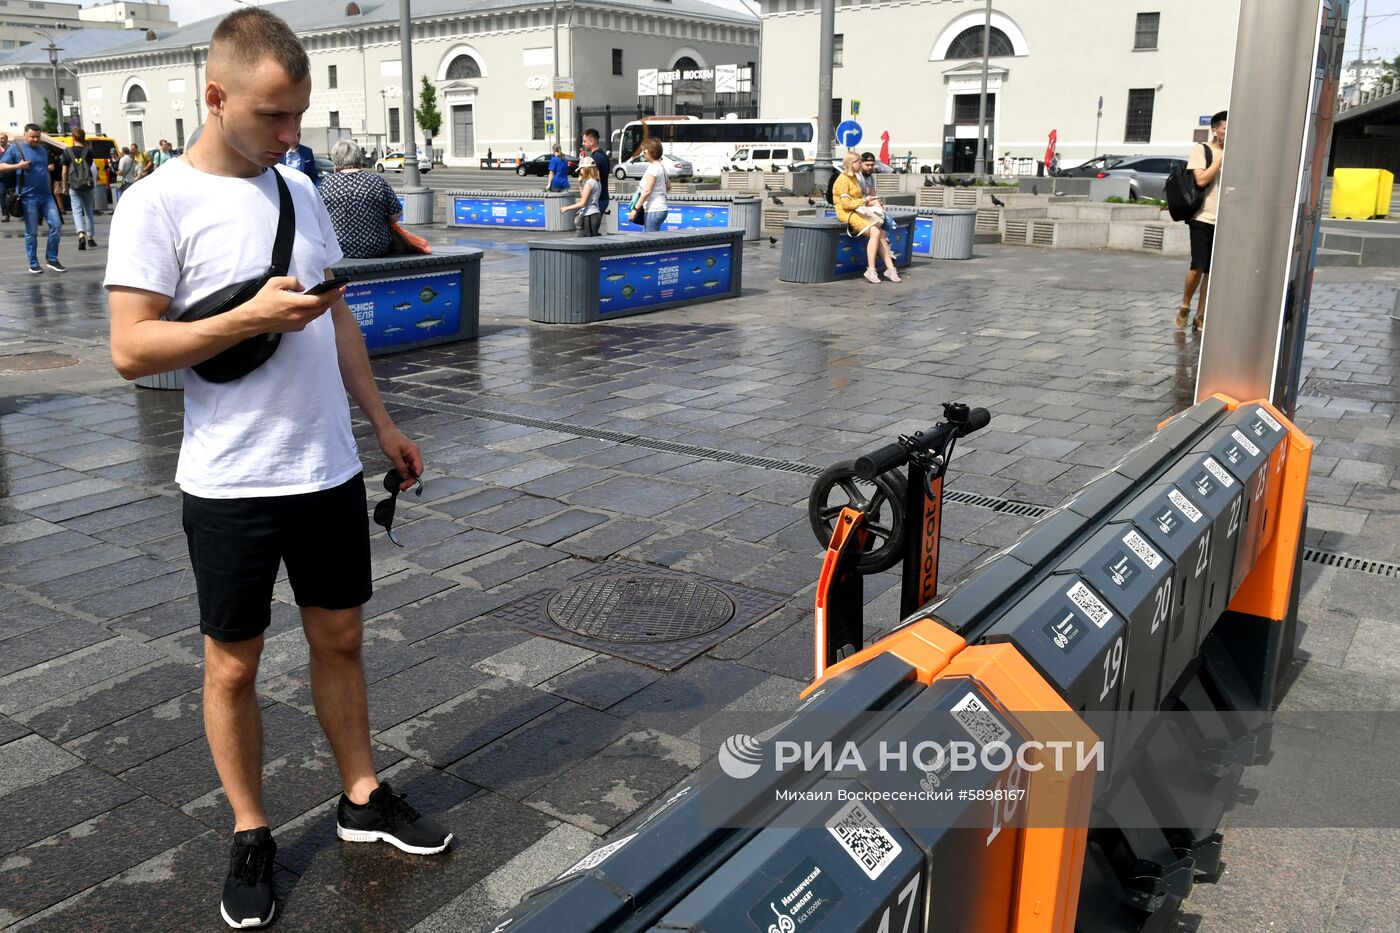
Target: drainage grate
(648, 608)
(1015, 232)
(1043, 233)
(603, 434)
(995, 503)
(1377, 568)
(1152, 236)
(539, 613)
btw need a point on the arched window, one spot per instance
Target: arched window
(968, 44)
(136, 94)
(685, 63)
(463, 66)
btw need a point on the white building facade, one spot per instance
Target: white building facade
(915, 66)
(490, 62)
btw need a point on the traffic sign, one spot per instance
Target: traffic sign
(855, 108)
(849, 133)
(563, 88)
(548, 128)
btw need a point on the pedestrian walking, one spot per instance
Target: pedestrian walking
(651, 190)
(303, 160)
(28, 161)
(558, 171)
(269, 470)
(490, 159)
(603, 165)
(589, 217)
(79, 181)
(163, 154)
(6, 179)
(1205, 163)
(125, 174)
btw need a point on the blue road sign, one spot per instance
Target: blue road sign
(849, 133)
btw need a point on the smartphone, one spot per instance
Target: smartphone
(329, 285)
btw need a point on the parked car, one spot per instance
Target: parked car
(881, 168)
(539, 165)
(764, 158)
(1147, 175)
(635, 168)
(1091, 167)
(394, 162)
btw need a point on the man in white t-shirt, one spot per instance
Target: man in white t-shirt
(268, 468)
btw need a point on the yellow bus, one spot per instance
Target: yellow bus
(104, 150)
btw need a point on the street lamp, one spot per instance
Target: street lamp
(53, 51)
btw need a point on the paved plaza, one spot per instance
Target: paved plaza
(555, 452)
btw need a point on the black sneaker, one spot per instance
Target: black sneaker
(35, 270)
(387, 817)
(92, 242)
(248, 900)
(82, 243)
(57, 266)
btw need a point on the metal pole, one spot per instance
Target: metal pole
(53, 51)
(1360, 53)
(1288, 61)
(553, 101)
(411, 178)
(1098, 121)
(822, 170)
(980, 167)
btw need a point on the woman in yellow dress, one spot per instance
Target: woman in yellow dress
(851, 205)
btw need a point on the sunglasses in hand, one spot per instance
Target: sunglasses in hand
(384, 509)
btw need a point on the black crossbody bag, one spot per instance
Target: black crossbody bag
(247, 355)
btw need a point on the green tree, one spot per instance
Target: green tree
(428, 115)
(1391, 70)
(50, 117)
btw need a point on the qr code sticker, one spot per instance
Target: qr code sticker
(1139, 546)
(979, 721)
(1268, 419)
(1219, 473)
(595, 858)
(864, 839)
(1089, 604)
(1184, 504)
(1245, 442)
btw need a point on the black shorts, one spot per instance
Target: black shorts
(1202, 237)
(237, 544)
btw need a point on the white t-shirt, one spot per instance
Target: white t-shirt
(656, 198)
(283, 429)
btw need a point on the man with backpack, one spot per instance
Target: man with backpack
(1203, 168)
(79, 179)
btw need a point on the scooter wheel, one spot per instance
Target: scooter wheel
(882, 501)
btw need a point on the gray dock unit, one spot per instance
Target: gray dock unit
(699, 212)
(404, 302)
(818, 249)
(945, 232)
(580, 280)
(511, 210)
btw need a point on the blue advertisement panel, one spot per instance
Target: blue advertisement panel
(684, 217)
(923, 235)
(498, 212)
(402, 208)
(641, 280)
(850, 252)
(407, 309)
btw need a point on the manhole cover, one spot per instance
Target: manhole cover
(644, 608)
(33, 362)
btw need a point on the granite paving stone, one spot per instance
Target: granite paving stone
(480, 715)
(531, 756)
(601, 681)
(56, 802)
(51, 641)
(49, 680)
(47, 871)
(31, 760)
(535, 661)
(103, 703)
(632, 495)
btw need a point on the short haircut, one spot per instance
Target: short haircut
(1218, 119)
(245, 37)
(591, 133)
(33, 127)
(346, 154)
(867, 157)
(78, 135)
(652, 147)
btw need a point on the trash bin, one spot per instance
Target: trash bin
(99, 198)
(953, 232)
(417, 205)
(1360, 193)
(171, 380)
(1384, 184)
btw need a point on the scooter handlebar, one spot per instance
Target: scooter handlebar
(894, 456)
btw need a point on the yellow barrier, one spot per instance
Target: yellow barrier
(1360, 193)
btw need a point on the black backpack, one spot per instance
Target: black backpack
(79, 169)
(1184, 196)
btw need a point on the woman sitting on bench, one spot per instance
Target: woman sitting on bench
(862, 218)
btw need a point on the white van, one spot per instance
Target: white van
(763, 158)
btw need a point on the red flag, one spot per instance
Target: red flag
(1050, 149)
(885, 147)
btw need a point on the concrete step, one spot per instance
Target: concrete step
(1337, 257)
